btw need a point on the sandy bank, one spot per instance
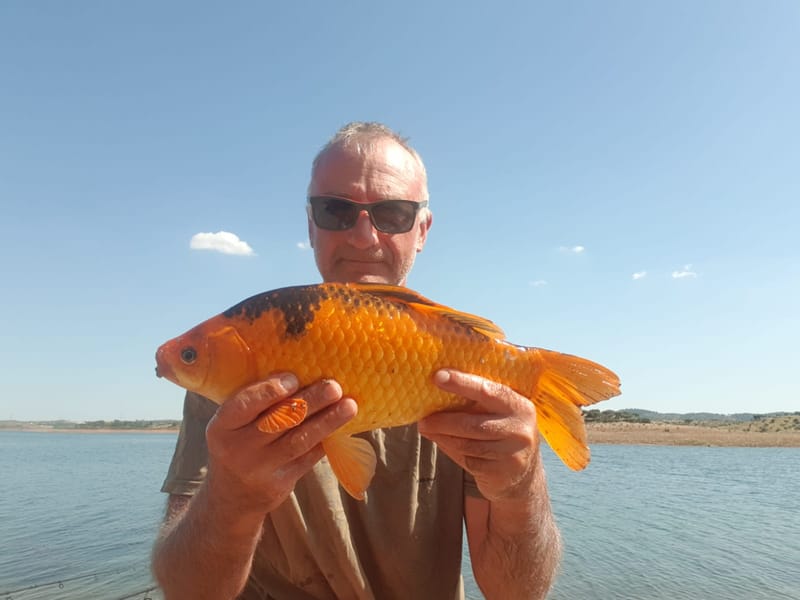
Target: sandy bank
(670, 434)
(660, 434)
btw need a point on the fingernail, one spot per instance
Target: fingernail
(350, 409)
(331, 391)
(441, 376)
(289, 382)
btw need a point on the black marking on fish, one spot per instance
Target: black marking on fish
(344, 295)
(380, 303)
(298, 305)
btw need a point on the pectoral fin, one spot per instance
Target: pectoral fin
(283, 415)
(352, 461)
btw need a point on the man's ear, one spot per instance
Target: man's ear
(310, 231)
(425, 223)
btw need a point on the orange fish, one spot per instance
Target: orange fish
(382, 344)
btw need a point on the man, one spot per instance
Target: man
(266, 518)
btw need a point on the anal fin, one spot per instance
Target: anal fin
(353, 462)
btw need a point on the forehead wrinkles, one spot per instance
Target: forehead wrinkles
(368, 170)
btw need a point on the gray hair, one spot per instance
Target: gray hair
(358, 134)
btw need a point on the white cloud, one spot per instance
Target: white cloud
(222, 241)
(303, 245)
(687, 272)
(537, 283)
(572, 249)
(639, 275)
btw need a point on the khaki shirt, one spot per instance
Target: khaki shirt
(403, 541)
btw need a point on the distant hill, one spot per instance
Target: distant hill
(703, 416)
(595, 415)
(777, 422)
(640, 415)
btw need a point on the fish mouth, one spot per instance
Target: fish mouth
(162, 366)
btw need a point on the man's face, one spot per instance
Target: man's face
(386, 171)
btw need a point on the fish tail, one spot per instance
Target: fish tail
(564, 384)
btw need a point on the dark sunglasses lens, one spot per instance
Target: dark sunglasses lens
(394, 216)
(389, 216)
(332, 213)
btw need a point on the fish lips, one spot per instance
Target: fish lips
(163, 368)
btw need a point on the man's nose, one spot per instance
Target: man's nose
(363, 234)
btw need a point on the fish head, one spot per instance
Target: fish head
(213, 361)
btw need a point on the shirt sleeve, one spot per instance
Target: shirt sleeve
(189, 462)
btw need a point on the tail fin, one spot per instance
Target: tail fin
(564, 385)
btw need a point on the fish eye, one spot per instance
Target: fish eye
(188, 355)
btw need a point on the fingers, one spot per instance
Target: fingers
(253, 403)
(497, 442)
(481, 426)
(234, 439)
(297, 442)
(498, 412)
(300, 405)
(502, 469)
(259, 469)
(249, 402)
(478, 448)
(489, 395)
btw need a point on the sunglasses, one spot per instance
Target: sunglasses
(387, 216)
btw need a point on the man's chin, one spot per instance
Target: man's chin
(374, 279)
(366, 274)
(355, 277)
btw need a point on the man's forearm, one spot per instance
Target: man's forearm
(206, 551)
(516, 554)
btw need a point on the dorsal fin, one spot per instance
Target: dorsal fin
(392, 292)
(424, 305)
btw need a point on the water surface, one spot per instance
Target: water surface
(641, 523)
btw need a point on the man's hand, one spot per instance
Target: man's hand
(256, 471)
(495, 439)
(513, 540)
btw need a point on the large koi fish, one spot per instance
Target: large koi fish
(382, 344)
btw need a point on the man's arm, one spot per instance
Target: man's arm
(514, 545)
(206, 545)
(203, 552)
(513, 539)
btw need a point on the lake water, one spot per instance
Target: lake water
(78, 513)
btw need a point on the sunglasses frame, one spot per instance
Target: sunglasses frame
(369, 207)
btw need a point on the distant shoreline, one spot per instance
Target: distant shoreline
(32, 429)
(672, 434)
(656, 434)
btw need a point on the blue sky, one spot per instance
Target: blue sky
(660, 138)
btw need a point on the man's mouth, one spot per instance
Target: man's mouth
(365, 260)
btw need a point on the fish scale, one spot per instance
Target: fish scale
(382, 344)
(369, 372)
